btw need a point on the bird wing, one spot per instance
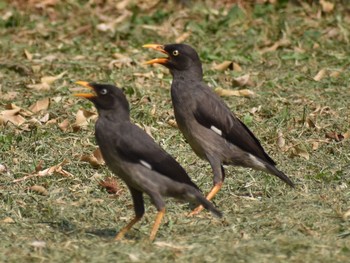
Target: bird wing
(215, 115)
(138, 147)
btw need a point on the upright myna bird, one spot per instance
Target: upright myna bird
(134, 156)
(213, 131)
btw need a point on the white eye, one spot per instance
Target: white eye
(175, 52)
(103, 91)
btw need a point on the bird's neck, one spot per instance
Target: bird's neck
(114, 115)
(191, 75)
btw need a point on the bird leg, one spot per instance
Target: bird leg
(156, 225)
(139, 208)
(125, 229)
(219, 176)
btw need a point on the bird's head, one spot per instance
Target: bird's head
(180, 58)
(105, 97)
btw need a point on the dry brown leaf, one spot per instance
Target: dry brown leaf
(327, 7)
(227, 65)
(45, 119)
(81, 119)
(335, 136)
(320, 75)
(8, 220)
(3, 168)
(315, 145)
(51, 79)
(40, 105)
(48, 171)
(334, 74)
(12, 116)
(120, 61)
(297, 151)
(39, 86)
(46, 81)
(39, 189)
(95, 159)
(281, 142)
(111, 185)
(223, 66)
(284, 42)
(64, 125)
(28, 55)
(172, 123)
(242, 81)
(346, 215)
(239, 93)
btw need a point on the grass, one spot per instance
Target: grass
(265, 221)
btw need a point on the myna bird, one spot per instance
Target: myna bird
(213, 131)
(132, 154)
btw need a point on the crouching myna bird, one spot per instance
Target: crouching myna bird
(133, 156)
(213, 131)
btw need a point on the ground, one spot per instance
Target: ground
(290, 58)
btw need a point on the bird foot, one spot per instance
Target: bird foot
(196, 211)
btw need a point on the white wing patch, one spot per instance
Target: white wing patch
(146, 164)
(216, 130)
(257, 162)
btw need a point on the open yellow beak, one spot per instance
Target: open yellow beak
(85, 95)
(159, 48)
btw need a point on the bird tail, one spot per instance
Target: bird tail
(207, 204)
(273, 170)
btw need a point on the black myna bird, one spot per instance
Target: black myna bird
(134, 156)
(213, 131)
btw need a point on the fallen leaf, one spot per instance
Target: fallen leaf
(111, 185)
(320, 75)
(346, 215)
(81, 119)
(335, 136)
(28, 55)
(297, 151)
(51, 79)
(242, 81)
(48, 171)
(334, 74)
(281, 142)
(172, 123)
(40, 105)
(45, 119)
(12, 116)
(227, 65)
(3, 168)
(38, 244)
(315, 146)
(327, 7)
(64, 125)
(39, 189)
(46, 81)
(39, 86)
(95, 159)
(8, 220)
(284, 42)
(238, 93)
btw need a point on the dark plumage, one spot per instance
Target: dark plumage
(133, 156)
(213, 131)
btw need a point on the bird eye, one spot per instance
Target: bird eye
(103, 91)
(175, 52)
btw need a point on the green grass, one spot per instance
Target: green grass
(265, 221)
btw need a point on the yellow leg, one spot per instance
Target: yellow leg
(210, 196)
(156, 225)
(125, 229)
